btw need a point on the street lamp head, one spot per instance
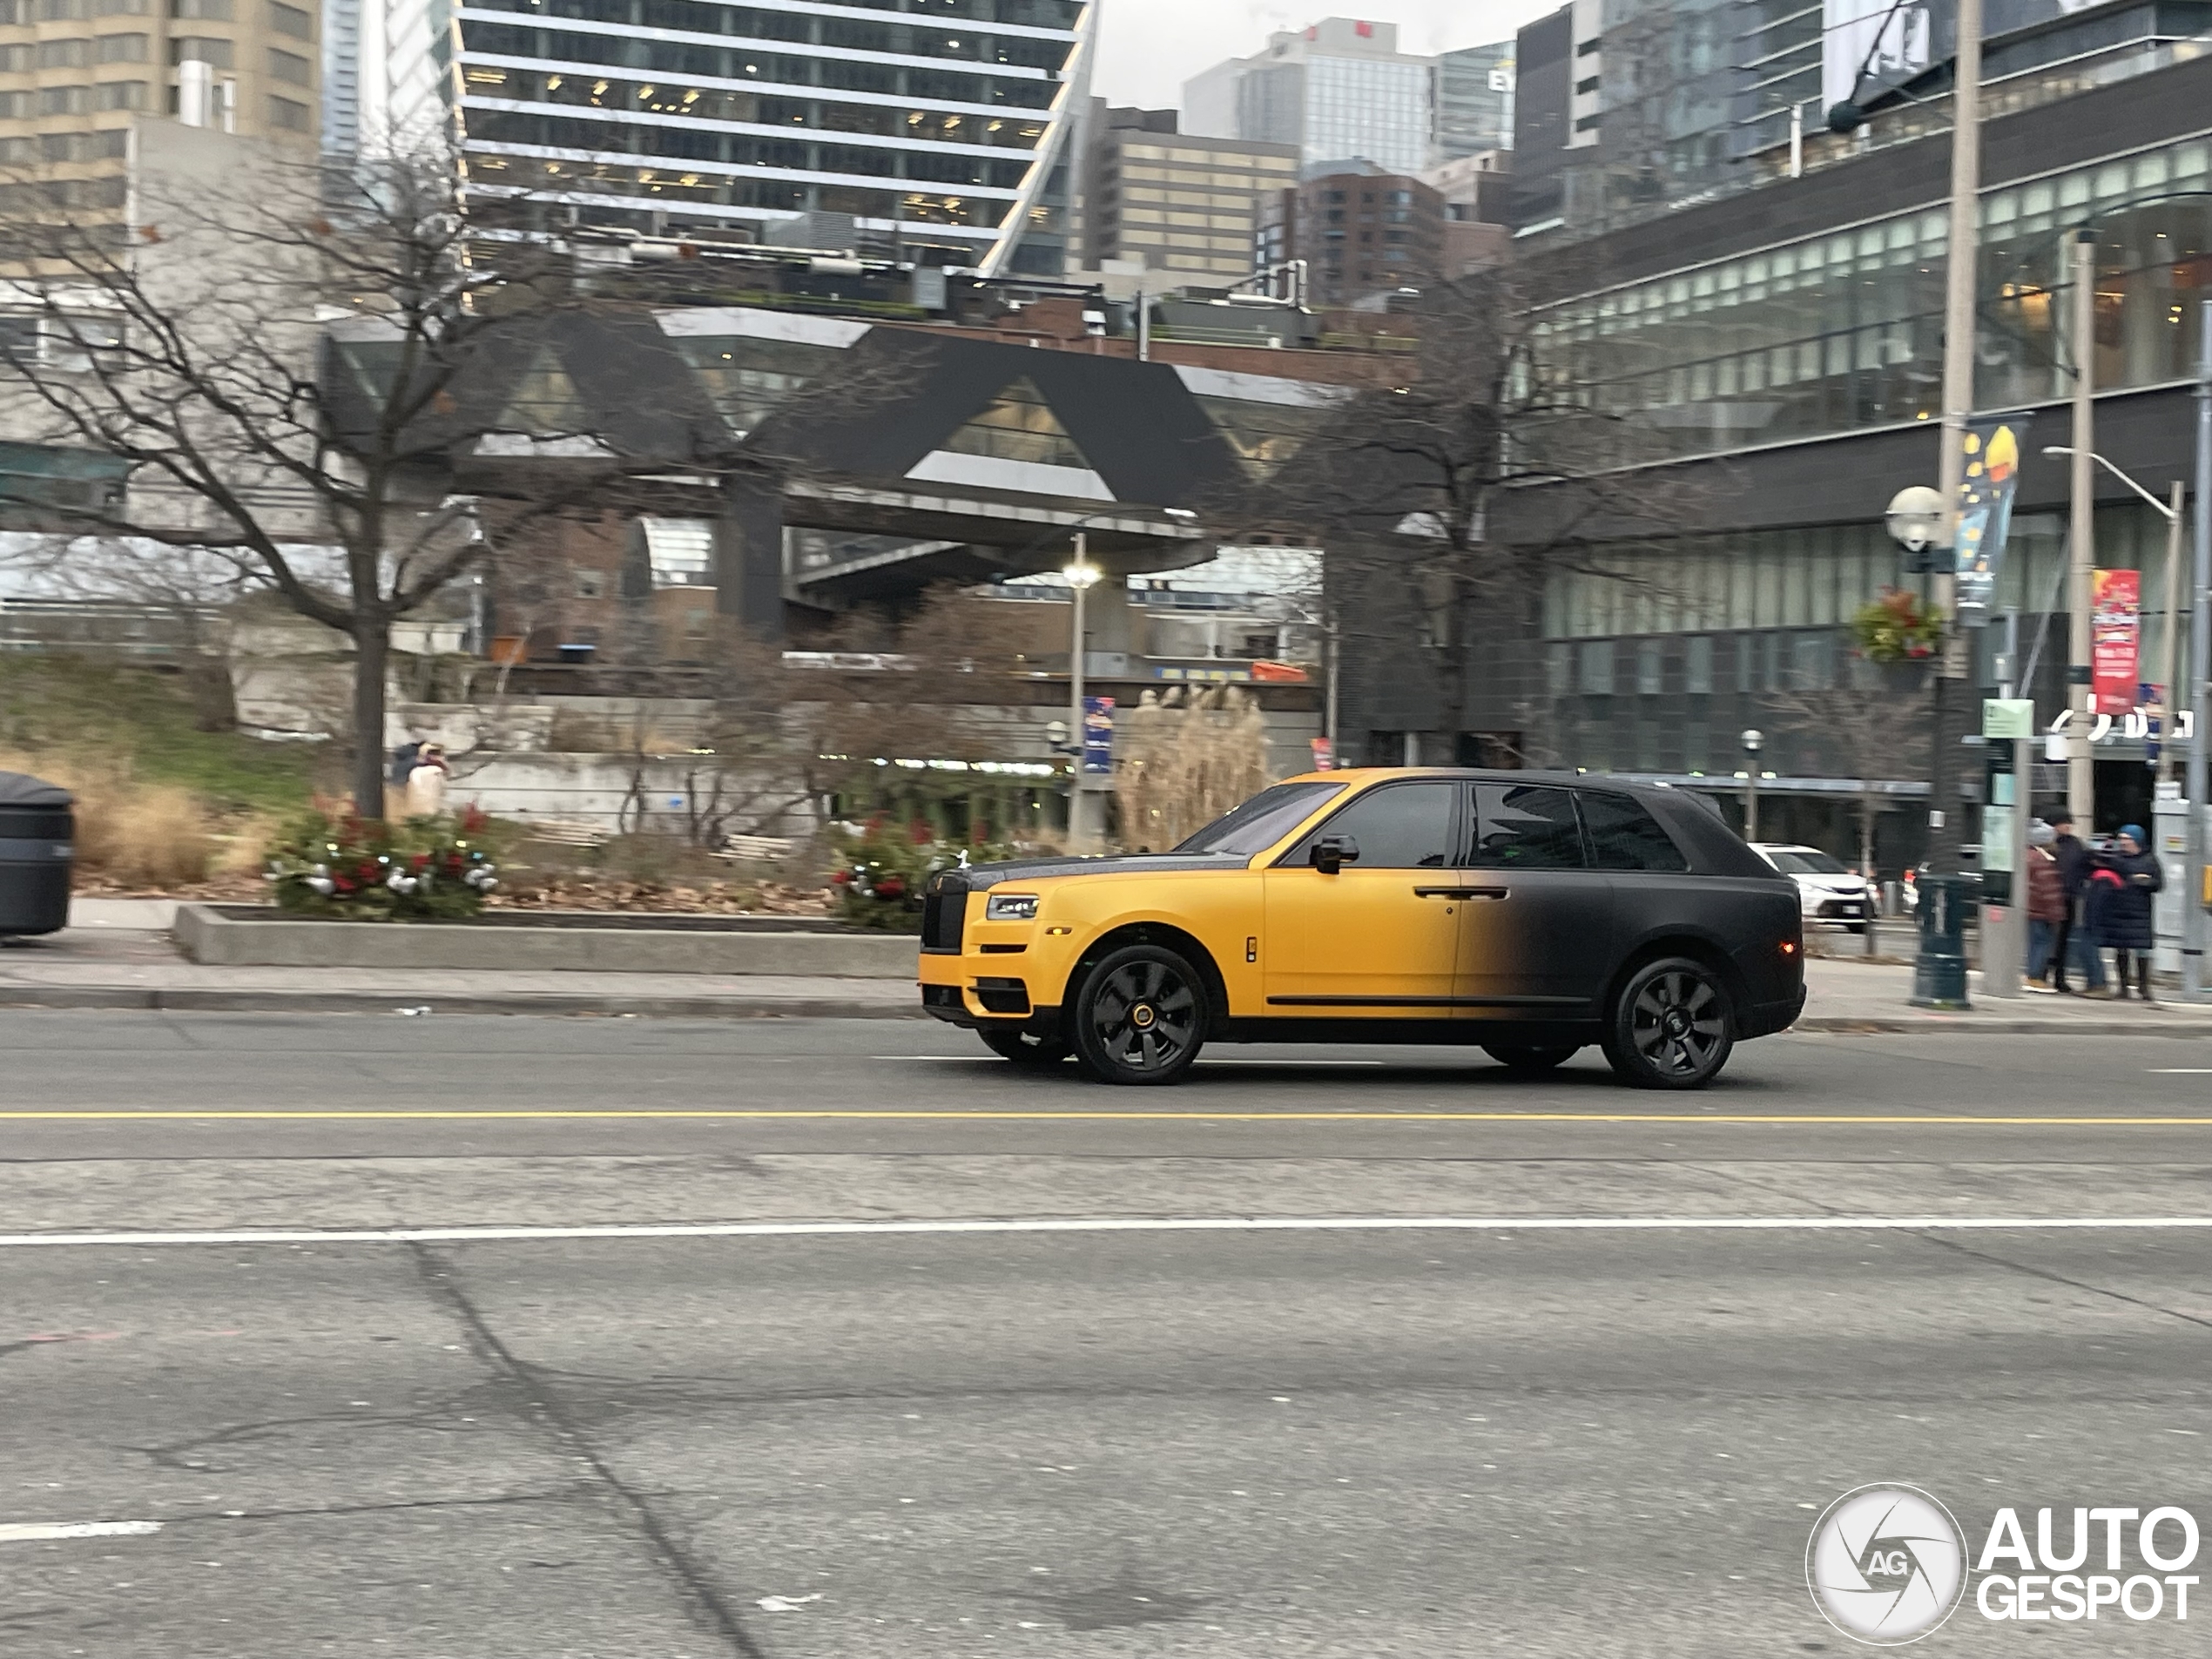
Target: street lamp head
(1183, 513)
(1914, 517)
(1080, 575)
(1754, 740)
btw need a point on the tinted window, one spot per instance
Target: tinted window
(1524, 827)
(1402, 826)
(1803, 860)
(1625, 836)
(1261, 822)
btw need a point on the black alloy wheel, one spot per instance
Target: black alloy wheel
(1138, 1016)
(1672, 1027)
(1025, 1048)
(1532, 1059)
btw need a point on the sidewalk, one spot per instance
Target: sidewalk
(116, 956)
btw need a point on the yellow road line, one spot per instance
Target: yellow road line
(898, 1113)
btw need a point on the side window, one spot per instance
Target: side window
(1625, 836)
(1524, 827)
(1400, 826)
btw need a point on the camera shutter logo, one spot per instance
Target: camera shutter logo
(1886, 1565)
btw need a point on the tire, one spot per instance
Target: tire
(1140, 1017)
(1673, 1026)
(1531, 1060)
(1025, 1049)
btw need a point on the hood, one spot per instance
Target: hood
(978, 877)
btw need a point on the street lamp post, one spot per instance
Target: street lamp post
(1080, 575)
(1939, 969)
(1754, 740)
(2200, 670)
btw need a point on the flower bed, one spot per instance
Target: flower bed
(345, 866)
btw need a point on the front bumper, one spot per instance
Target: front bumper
(971, 988)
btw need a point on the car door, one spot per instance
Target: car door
(1536, 921)
(1378, 939)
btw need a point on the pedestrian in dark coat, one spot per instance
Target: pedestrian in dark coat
(2076, 945)
(2046, 906)
(2124, 913)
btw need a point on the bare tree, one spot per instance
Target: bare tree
(1872, 735)
(282, 361)
(1446, 498)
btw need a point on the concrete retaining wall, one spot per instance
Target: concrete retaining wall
(211, 937)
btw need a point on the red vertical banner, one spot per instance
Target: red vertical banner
(2115, 632)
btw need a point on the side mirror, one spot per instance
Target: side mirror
(1332, 853)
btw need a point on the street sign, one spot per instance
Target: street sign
(2007, 719)
(1325, 754)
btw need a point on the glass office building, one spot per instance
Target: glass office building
(938, 128)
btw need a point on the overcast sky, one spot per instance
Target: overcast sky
(1149, 48)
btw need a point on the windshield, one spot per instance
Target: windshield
(1261, 822)
(1795, 860)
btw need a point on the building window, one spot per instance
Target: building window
(1697, 665)
(1595, 674)
(590, 584)
(288, 67)
(291, 20)
(123, 95)
(287, 115)
(64, 100)
(1019, 426)
(119, 7)
(62, 11)
(63, 54)
(190, 48)
(123, 49)
(203, 11)
(1649, 669)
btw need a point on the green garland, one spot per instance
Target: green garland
(1898, 627)
(427, 869)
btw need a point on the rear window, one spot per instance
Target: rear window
(1262, 820)
(1625, 836)
(1804, 860)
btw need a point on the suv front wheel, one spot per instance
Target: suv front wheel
(1672, 1026)
(1139, 1017)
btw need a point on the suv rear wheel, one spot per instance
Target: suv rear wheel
(1672, 1026)
(1139, 1017)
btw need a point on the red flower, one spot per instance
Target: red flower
(419, 860)
(890, 887)
(920, 834)
(473, 819)
(340, 884)
(842, 877)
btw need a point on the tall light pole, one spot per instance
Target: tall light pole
(1940, 970)
(2082, 533)
(1754, 740)
(2200, 669)
(1080, 575)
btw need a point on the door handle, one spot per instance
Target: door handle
(1461, 892)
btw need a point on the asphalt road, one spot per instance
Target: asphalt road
(1355, 1440)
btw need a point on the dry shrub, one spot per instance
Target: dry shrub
(134, 834)
(1185, 761)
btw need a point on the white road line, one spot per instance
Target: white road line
(1110, 1224)
(34, 1531)
(2181, 1071)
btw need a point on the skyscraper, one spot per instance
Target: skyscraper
(944, 137)
(74, 72)
(1473, 102)
(1340, 90)
(1176, 202)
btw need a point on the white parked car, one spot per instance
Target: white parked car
(1829, 889)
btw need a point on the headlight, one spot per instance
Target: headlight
(1011, 906)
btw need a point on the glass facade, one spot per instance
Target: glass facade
(940, 136)
(1843, 332)
(1369, 109)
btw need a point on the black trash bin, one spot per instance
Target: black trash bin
(38, 851)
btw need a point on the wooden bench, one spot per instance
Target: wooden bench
(761, 849)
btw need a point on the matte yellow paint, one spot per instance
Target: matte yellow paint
(1359, 933)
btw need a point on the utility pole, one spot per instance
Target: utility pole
(1939, 969)
(2170, 701)
(2081, 538)
(2200, 670)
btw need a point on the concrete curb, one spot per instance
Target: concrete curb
(216, 1000)
(212, 1001)
(215, 940)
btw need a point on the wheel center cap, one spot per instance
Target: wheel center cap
(1676, 1023)
(1141, 1016)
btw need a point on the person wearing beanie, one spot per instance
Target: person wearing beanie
(2130, 876)
(2047, 907)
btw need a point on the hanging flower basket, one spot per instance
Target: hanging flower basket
(1898, 627)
